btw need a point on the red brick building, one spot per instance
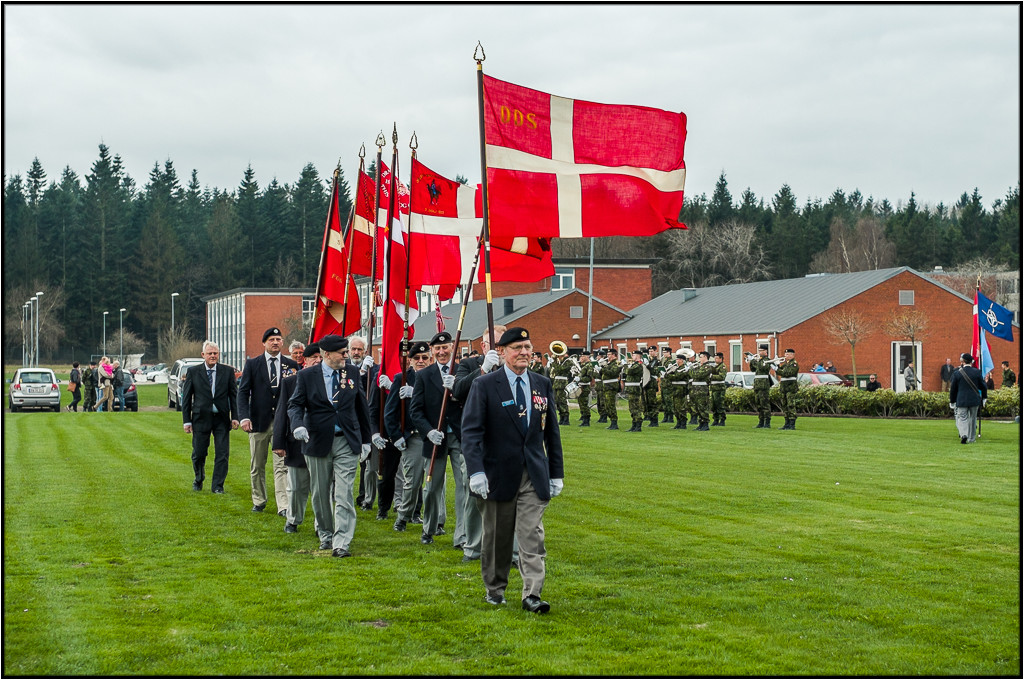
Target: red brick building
(790, 313)
(236, 319)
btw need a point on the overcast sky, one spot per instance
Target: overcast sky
(884, 99)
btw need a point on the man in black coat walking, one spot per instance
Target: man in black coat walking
(967, 393)
(209, 406)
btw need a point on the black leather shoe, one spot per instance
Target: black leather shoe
(282, 513)
(416, 519)
(440, 531)
(325, 545)
(426, 540)
(340, 552)
(467, 558)
(196, 486)
(399, 525)
(536, 605)
(515, 564)
(290, 529)
(218, 490)
(494, 599)
(382, 515)
(259, 508)
(963, 440)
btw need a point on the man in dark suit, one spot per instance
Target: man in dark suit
(257, 400)
(328, 411)
(405, 441)
(967, 393)
(433, 385)
(368, 371)
(288, 447)
(513, 454)
(209, 406)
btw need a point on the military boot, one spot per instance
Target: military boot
(792, 423)
(668, 418)
(703, 426)
(585, 422)
(760, 423)
(680, 424)
(602, 419)
(654, 421)
(614, 425)
(693, 419)
(768, 422)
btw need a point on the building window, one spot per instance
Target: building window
(710, 347)
(906, 297)
(576, 311)
(735, 355)
(308, 307)
(564, 279)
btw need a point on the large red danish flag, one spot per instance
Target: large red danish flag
(572, 168)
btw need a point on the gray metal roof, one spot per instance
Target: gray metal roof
(475, 323)
(763, 306)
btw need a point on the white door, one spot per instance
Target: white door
(902, 354)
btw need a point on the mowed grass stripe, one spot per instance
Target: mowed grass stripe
(729, 552)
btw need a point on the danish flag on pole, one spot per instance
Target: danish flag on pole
(572, 168)
(334, 277)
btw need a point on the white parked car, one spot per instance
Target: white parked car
(174, 381)
(34, 388)
(744, 379)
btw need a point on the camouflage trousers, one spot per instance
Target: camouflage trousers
(610, 395)
(599, 395)
(651, 400)
(636, 405)
(761, 400)
(666, 398)
(679, 403)
(699, 402)
(583, 401)
(89, 401)
(789, 404)
(718, 403)
(561, 400)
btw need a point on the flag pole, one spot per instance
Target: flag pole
(350, 233)
(323, 257)
(485, 234)
(380, 142)
(981, 339)
(590, 295)
(466, 290)
(413, 145)
(392, 194)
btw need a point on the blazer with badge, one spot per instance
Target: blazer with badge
(425, 407)
(493, 441)
(312, 408)
(197, 400)
(256, 397)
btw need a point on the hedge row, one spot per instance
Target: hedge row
(838, 400)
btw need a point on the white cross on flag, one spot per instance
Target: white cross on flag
(572, 168)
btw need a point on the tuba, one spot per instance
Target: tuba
(558, 348)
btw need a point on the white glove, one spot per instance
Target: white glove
(556, 487)
(448, 381)
(478, 484)
(400, 444)
(490, 360)
(379, 441)
(952, 407)
(384, 382)
(984, 401)
(301, 434)
(367, 363)
(435, 437)
(365, 453)
(405, 392)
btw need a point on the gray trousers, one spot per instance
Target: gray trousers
(412, 476)
(337, 523)
(370, 477)
(259, 448)
(522, 519)
(966, 422)
(434, 498)
(298, 494)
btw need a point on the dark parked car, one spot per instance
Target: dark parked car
(131, 395)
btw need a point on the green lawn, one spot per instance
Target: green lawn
(847, 547)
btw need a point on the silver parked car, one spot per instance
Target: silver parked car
(34, 388)
(174, 381)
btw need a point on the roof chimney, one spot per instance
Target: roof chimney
(689, 294)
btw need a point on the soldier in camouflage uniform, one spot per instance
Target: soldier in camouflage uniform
(718, 390)
(676, 380)
(667, 361)
(560, 372)
(651, 401)
(762, 367)
(537, 365)
(89, 383)
(585, 379)
(786, 373)
(633, 379)
(602, 359)
(610, 389)
(700, 376)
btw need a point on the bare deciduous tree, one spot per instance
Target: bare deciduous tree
(846, 325)
(703, 256)
(179, 343)
(911, 324)
(861, 248)
(50, 310)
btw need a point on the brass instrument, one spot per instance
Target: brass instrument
(558, 348)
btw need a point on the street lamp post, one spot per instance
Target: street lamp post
(121, 353)
(33, 308)
(24, 334)
(39, 294)
(105, 333)
(173, 295)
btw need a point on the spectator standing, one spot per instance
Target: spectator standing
(76, 394)
(1009, 377)
(947, 374)
(118, 382)
(106, 392)
(873, 384)
(830, 367)
(910, 377)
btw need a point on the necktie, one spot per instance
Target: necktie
(335, 388)
(273, 371)
(444, 368)
(521, 403)
(209, 374)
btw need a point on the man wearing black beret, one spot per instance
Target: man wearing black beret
(513, 454)
(328, 411)
(258, 392)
